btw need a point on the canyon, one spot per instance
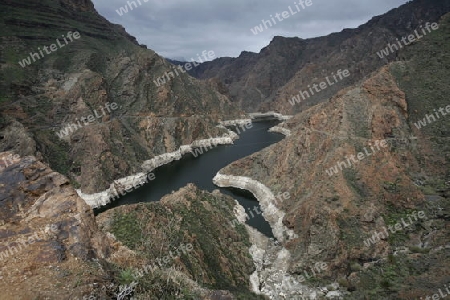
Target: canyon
(47, 182)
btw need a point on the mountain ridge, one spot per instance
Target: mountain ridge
(332, 219)
(286, 65)
(104, 65)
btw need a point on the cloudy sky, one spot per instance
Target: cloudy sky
(183, 28)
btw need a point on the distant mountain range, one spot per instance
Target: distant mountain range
(267, 80)
(85, 115)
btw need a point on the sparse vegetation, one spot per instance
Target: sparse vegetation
(153, 230)
(126, 229)
(126, 276)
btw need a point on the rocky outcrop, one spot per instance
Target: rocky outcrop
(271, 277)
(218, 258)
(265, 197)
(280, 129)
(46, 231)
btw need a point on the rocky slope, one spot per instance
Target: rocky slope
(217, 267)
(287, 65)
(333, 215)
(52, 248)
(47, 232)
(327, 218)
(104, 66)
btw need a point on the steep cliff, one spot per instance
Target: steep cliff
(47, 232)
(269, 79)
(102, 85)
(397, 170)
(391, 122)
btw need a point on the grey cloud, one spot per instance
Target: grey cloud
(186, 27)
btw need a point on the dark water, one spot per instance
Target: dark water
(200, 170)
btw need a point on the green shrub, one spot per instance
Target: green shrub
(355, 267)
(126, 229)
(416, 249)
(126, 276)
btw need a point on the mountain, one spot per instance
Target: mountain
(356, 214)
(178, 58)
(365, 163)
(62, 64)
(52, 246)
(269, 79)
(41, 93)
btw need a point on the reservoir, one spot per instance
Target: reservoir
(201, 170)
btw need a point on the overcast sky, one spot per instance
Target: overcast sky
(183, 28)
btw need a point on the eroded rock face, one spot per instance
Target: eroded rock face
(48, 234)
(266, 199)
(333, 213)
(272, 277)
(65, 89)
(269, 79)
(281, 129)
